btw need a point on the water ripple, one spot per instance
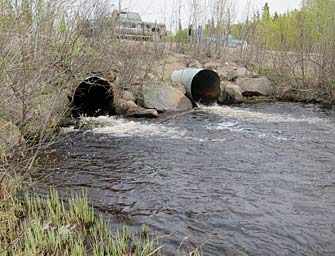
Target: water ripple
(235, 181)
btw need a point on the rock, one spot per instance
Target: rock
(140, 101)
(252, 74)
(141, 112)
(172, 63)
(230, 94)
(242, 72)
(259, 99)
(212, 65)
(293, 94)
(118, 81)
(245, 73)
(255, 86)
(162, 97)
(122, 107)
(227, 73)
(151, 76)
(127, 95)
(195, 64)
(180, 86)
(129, 108)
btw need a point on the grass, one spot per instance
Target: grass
(263, 71)
(48, 226)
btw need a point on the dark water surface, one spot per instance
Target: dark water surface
(243, 181)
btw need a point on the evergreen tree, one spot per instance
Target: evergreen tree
(266, 13)
(276, 16)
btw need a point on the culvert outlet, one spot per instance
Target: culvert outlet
(93, 97)
(202, 85)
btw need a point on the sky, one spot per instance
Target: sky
(167, 10)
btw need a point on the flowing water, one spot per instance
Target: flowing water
(235, 181)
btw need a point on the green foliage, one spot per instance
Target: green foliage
(181, 36)
(263, 72)
(298, 45)
(314, 24)
(51, 227)
(266, 13)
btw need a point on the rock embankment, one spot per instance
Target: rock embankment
(238, 84)
(156, 93)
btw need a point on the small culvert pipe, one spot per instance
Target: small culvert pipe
(202, 85)
(93, 97)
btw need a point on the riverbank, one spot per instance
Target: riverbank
(38, 226)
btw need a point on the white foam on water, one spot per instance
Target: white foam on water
(66, 130)
(264, 117)
(230, 126)
(121, 127)
(235, 127)
(271, 136)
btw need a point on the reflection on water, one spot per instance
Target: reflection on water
(256, 181)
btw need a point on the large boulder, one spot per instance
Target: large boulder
(129, 108)
(227, 73)
(127, 95)
(252, 74)
(180, 86)
(255, 86)
(242, 72)
(122, 106)
(164, 98)
(230, 94)
(172, 63)
(231, 73)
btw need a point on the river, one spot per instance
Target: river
(256, 180)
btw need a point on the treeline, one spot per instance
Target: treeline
(314, 24)
(302, 43)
